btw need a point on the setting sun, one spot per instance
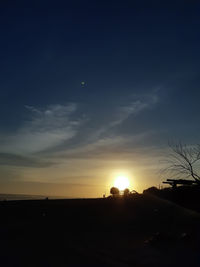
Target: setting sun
(121, 182)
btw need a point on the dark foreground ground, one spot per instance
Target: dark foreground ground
(144, 231)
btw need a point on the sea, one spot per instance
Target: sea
(5, 197)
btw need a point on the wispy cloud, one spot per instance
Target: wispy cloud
(132, 108)
(46, 128)
(57, 131)
(105, 136)
(137, 105)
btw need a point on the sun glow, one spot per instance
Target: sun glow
(121, 182)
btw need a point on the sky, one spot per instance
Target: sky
(93, 89)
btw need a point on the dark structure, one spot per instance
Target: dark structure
(175, 182)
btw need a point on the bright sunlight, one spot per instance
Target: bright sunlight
(121, 182)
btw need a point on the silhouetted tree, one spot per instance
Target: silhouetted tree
(114, 191)
(126, 192)
(184, 160)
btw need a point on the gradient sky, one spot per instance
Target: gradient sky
(140, 61)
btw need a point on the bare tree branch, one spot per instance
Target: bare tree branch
(184, 160)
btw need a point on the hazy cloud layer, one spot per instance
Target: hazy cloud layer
(25, 161)
(105, 148)
(59, 131)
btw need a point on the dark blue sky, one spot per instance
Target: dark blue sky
(140, 61)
